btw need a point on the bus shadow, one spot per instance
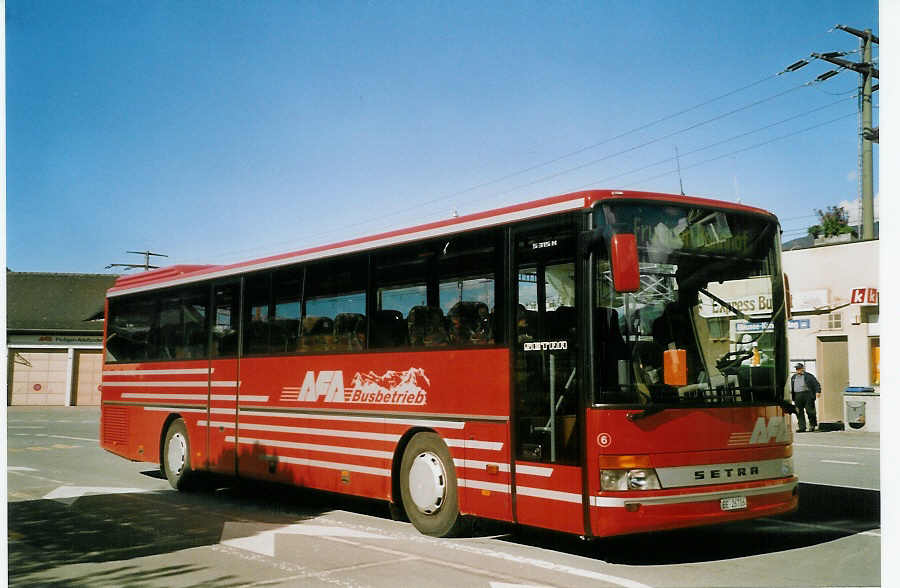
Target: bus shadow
(109, 529)
(826, 513)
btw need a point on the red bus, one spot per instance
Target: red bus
(596, 363)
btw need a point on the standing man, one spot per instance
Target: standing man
(804, 390)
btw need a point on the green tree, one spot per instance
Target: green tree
(832, 222)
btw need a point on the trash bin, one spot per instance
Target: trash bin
(856, 413)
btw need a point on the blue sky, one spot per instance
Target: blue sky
(221, 131)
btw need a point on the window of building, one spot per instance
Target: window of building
(833, 321)
(719, 328)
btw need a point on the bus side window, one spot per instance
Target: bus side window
(225, 321)
(334, 306)
(467, 268)
(256, 314)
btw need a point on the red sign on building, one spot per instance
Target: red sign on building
(864, 296)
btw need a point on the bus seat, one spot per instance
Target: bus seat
(317, 333)
(426, 326)
(350, 331)
(470, 323)
(388, 329)
(561, 324)
(526, 324)
(610, 347)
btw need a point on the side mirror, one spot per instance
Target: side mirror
(788, 303)
(623, 253)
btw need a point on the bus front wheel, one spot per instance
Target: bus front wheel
(428, 487)
(176, 457)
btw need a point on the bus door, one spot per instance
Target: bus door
(224, 377)
(546, 419)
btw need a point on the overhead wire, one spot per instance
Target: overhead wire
(527, 169)
(751, 147)
(716, 144)
(646, 143)
(699, 124)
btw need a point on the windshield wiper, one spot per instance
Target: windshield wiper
(736, 311)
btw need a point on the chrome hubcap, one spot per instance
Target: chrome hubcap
(176, 454)
(427, 482)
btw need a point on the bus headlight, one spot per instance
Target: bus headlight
(787, 467)
(621, 480)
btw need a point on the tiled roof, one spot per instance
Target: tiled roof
(55, 302)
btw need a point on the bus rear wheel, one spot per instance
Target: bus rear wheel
(176, 456)
(428, 487)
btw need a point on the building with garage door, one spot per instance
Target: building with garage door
(835, 331)
(54, 334)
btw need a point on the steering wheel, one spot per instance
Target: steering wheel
(732, 359)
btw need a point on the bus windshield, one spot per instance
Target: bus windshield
(711, 297)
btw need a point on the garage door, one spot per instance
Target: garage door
(88, 370)
(37, 377)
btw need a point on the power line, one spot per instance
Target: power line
(559, 158)
(530, 168)
(716, 144)
(756, 146)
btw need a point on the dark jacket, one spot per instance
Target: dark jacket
(812, 384)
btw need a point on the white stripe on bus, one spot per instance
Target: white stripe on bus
(479, 485)
(170, 384)
(184, 372)
(247, 397)
(174, 409)
(473, 444)
(504, 467)
(548, 494)
(473, 464)
(149, 396)
(305, 431)
(313, 447)
(358, 419)
(336, 466)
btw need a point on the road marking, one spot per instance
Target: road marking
(829, 528)
(539, 563)
(75, 438)
(840, 462)
(836, 446)
(263, 542)
(64, 492)
(26, 427)
(19, 469)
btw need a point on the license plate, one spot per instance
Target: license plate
(734, 503)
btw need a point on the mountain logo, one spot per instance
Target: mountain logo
(409, 387)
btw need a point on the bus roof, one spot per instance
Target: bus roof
(186, 274)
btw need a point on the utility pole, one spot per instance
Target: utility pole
(146, 265)
(867, 70)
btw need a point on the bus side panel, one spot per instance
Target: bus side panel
(217, 430)
(482, 470)
(334, 422)
(549, 496)
(139, 398)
